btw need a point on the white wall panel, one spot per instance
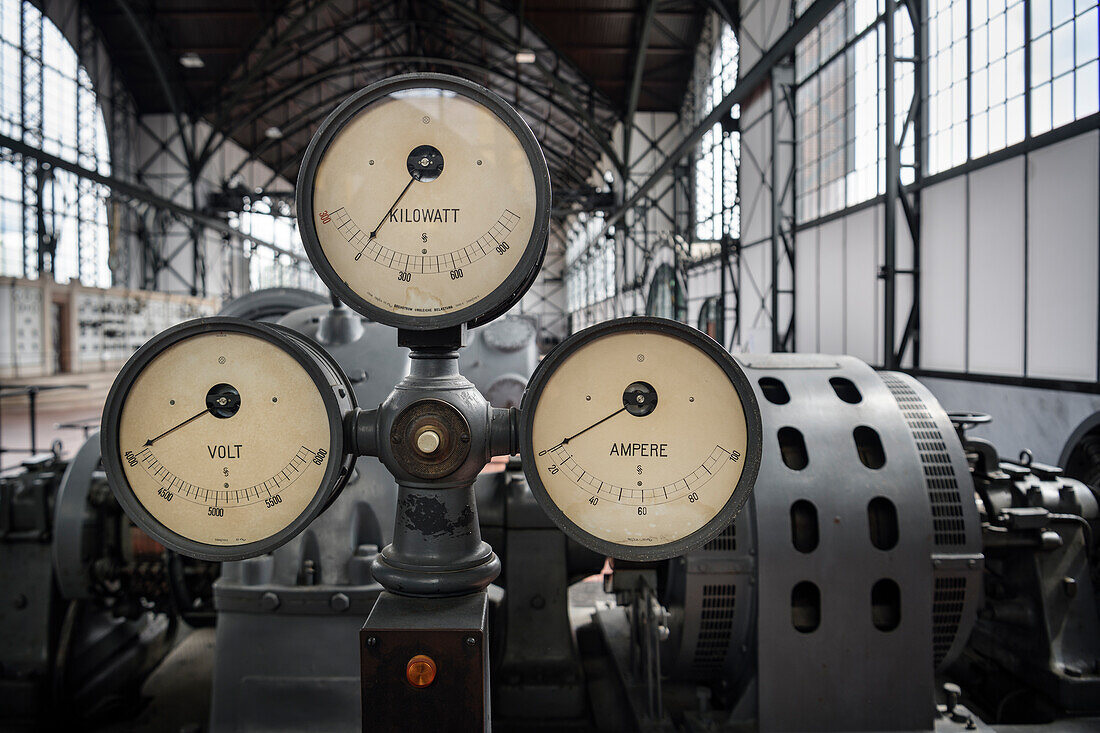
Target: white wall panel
(904, 287)
(756, 334)
(943, 276)
(831, 287)
(755, 168)
(861, 233)
(761, 25)
(806, 291)
(1062, 261)
(996, 269)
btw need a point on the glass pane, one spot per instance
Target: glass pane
(997, 127)
(1014, 37)
(1014, 121)
(1040, 60)
(1086, 37)
(1040, 17)
(1040, 109)
(1063, 49)
(1061, 11)
(1062, 100)
(1088, 89)
(979, 135)
(1015, 73)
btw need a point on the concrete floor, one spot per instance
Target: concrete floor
(176, 696)
(84, 401)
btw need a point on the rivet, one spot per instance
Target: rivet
(269, 601)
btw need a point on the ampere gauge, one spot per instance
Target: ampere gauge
(640, 438)
(423, 202)
(223, 438)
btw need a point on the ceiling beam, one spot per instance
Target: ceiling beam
(746, 85)
(125, 189)
(636, 79)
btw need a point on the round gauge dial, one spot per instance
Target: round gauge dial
(641, 438)
(223, 438)
(423, 202)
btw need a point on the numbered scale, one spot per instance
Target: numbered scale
(641, 438)
(223, 439)
(424, 202)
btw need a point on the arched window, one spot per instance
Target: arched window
(666, 295)
(717, 210)
(48, 217)
(710, 318)
(267, 268)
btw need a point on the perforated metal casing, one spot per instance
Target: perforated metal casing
(861, 544)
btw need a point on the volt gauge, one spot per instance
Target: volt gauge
(423, 202)
(223, 438)
(641, 438)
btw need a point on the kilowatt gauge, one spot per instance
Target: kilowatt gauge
(223, 438)
(424, 201)
(641, 438)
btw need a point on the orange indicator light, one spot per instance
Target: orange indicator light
(420, 671)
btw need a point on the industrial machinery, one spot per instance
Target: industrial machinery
(888, 572)
(90, 602)
(281, 440)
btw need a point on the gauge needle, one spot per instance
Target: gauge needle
(598, 422)
(389, 211)
(169, 430)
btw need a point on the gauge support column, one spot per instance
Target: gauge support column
(435, 433)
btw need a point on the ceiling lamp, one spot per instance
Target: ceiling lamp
(192, 61)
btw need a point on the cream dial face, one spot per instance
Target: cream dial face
(639, 438)
(224, 438)
(424, 203)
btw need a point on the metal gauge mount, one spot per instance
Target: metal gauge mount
(223, 438)
(424, 203)
(641, 438)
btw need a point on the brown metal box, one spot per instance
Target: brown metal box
(452, 631)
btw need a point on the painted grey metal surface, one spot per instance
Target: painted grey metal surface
(71, 511)
(856, 662)
(500, 357)
(716, 588)
(270, 304)
(283, 660)
(1024, 418)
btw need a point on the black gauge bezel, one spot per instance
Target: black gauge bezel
(749, 471)
(519, 280)
(336, 405)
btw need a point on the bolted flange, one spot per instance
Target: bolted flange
(430, 439)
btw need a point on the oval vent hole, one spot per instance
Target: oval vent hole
(774, 391)
(869, 447)
(846, 390)
(793, 448)
(804, 533)
(882, 521)
(886, 605)
(805, 607)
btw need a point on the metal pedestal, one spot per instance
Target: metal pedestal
(453, 633)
